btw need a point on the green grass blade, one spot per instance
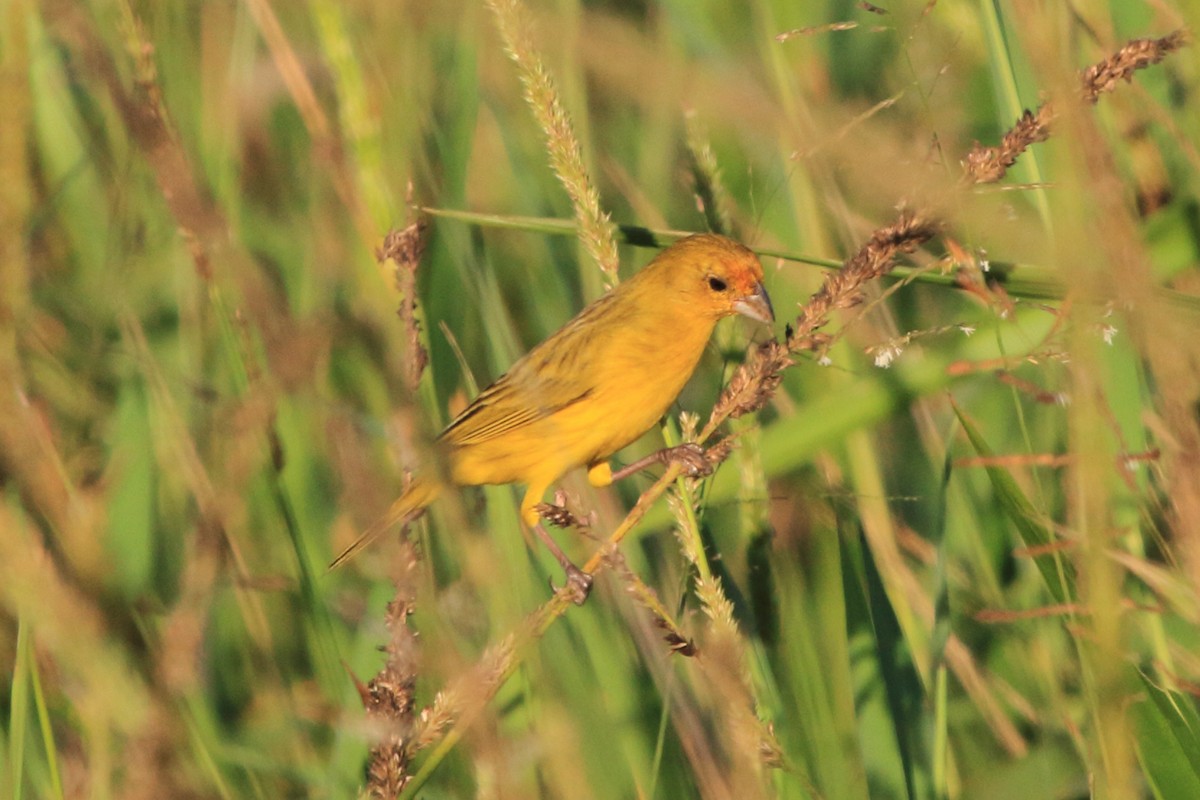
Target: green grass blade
(18, 721)
(49, 743)
(1057, 572)
(1167, 727)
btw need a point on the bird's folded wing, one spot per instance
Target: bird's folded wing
(513, 402)
(556, 374)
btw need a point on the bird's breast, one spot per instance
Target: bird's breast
(642, 377)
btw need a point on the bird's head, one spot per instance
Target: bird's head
(715, 275)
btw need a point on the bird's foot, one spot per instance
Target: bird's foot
(691, 457)
(578, 585)
(695, 460)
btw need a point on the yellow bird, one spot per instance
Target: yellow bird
(596, 385)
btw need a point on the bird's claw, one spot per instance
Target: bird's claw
(578, 585)
(691, 457)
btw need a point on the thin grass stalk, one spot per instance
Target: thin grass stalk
(990, 164)
(1019, 280)
(673, 633)
(1101, 244)
(456, 706)
(710, 192)
(361, 127)
(365, 201)
(596, 230)
(724, 656)
(390, 696)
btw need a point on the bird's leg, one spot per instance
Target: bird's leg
(579, 583)
(690, 456)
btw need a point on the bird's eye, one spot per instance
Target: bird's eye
(716, 284)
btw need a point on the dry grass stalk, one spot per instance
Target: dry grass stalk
(1034, 392)
(989, 164)
(146, 120)
(1104, 76)
(596, 230)
(559, 516)
(722, 661)
(711, 196)
(843, 289)
(455, 706)
(676, 638)
(326, 144)
(389, 696)
(812, 30)
(459, 702)
(404, 248)
(725, 662)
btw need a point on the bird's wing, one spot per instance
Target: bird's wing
(510, 404)
(556, 374)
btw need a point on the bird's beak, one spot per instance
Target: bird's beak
(756, 305)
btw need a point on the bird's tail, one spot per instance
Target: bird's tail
(416, 497)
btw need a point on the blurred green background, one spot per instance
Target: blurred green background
(960, 554)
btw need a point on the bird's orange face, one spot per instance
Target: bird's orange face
(719, 276)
